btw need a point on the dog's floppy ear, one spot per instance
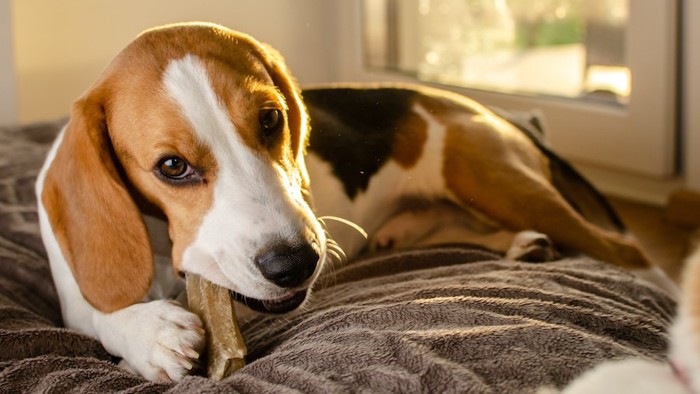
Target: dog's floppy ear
(298, 117)
(97, 224)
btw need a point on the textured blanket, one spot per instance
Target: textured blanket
(450, 319)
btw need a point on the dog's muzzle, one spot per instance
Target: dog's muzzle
(288, 267)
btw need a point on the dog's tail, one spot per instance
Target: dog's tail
(582, 195)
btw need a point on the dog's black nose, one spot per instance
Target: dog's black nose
(287, 266)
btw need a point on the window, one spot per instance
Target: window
(566, 48)
(602, 71)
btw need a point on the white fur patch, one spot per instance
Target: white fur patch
(685, 333)
(255, 202)
(633, 376)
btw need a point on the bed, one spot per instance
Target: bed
(445, 319)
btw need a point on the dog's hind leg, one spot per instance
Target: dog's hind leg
(536, 204)
(516, 191)
(444, 224)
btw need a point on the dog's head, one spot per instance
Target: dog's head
(207, 126)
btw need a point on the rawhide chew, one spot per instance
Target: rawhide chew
(225, 347)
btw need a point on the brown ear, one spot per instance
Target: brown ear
(297, 114)
(298, 117)
(97, 224)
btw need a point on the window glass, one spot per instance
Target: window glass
(564, 48)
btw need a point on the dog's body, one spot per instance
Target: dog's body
(190, 151)
(378, 151)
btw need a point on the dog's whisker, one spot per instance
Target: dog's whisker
(337, 251)
(332, 245)
(330, 242)
(352, 225)
(335, 254)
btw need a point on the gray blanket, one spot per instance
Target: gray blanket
(450, 319)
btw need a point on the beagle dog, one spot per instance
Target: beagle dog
(192, 153)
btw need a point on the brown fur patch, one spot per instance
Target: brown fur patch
(410, 138)
(479, 159)
(94, 219)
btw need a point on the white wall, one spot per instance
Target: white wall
(691, 86)
(61, 46)
(8, 93)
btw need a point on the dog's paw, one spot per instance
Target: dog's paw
(395, 233)
(403, 230)
(161, 340)
(531, 247)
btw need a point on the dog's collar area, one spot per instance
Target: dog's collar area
(277, 306)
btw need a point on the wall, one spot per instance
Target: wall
(8, 93)
(691, 89)
(61, 46)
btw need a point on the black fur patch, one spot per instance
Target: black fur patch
(354, 129)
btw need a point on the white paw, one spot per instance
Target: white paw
(533, 247)
(159, 339)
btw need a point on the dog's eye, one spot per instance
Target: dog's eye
(176, 171)
(270, 120)
(174, 167)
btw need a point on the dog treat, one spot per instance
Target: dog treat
(225, 347)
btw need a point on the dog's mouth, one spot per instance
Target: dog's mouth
(285, 304)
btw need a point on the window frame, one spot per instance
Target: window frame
(639, 138)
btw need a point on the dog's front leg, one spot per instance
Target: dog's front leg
(159, 339)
